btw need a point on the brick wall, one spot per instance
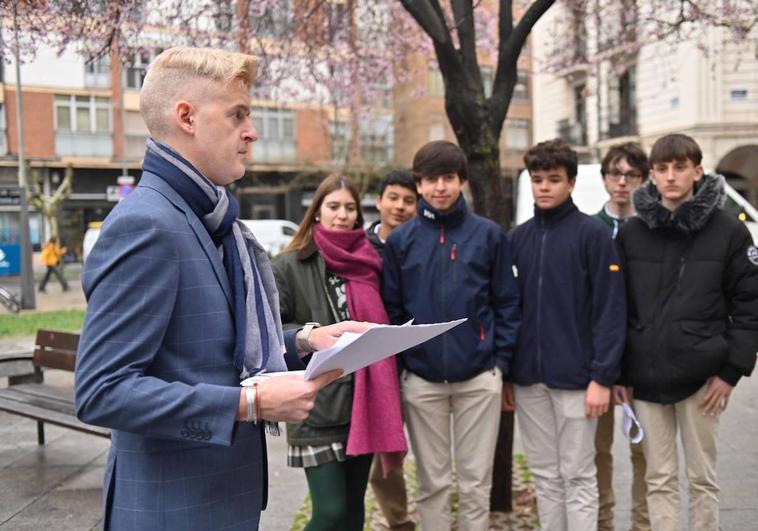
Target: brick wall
(39, 132)
(312, 133)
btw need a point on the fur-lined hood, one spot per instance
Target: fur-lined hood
(691, 216)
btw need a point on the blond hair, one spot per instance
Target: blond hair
(186, 73)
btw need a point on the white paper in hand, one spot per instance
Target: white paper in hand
(356, 351)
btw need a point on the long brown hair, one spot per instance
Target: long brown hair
(304, 235)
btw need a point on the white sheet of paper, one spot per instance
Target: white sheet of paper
(352, 351)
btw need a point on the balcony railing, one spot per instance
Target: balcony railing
(68, 144)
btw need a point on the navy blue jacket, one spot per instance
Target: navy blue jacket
(573, 300)
(445, 266)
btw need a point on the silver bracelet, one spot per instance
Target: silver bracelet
(250, 401)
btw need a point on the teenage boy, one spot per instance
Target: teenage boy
(570, 345)
(623, 169)
(445, 264)
(396, 203)
(692, 285)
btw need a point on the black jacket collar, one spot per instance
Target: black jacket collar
(451, 218)
(691, 216)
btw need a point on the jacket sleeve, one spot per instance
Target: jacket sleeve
(282, 276)
(131, 280)
(741, 289)
(507, 306)
(392, 287)
(608, 315)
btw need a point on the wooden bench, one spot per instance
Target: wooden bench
(31, 397)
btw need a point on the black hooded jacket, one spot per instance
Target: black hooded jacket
(692, 292)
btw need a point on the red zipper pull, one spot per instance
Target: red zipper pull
(481, 332)
(453, 253)
(442, 236)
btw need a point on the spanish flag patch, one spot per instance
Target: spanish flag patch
(614, 268)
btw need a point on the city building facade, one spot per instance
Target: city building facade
(705, 87)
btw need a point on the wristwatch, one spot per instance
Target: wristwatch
(302, 338)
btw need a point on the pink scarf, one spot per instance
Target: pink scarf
(376, 424)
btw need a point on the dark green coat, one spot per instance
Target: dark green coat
(303, 297)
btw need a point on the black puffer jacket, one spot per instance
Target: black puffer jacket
(692, 291)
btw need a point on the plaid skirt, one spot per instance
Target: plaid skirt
(309, 456)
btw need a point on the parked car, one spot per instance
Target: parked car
(589, 195)
(273, 234)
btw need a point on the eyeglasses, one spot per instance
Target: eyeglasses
(630, 176)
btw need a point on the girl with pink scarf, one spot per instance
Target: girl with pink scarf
(330, 273)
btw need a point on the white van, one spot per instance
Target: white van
(589, 195)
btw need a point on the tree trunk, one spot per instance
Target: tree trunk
(485, 182)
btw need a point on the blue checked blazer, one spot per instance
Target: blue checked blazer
(155, 365)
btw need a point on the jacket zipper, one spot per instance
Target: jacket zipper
(443, 301)
(539, 302)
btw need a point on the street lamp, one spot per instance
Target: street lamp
(27, 273)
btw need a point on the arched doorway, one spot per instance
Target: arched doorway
(740, 167)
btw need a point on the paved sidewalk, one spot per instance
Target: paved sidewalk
(59, 485)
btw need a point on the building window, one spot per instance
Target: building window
(380, 93)
(436, 83)
(622, 104)
(83, 126)
(97, 73)
(82, 114)
(517, 134)
(340, 141)
(521, 88)
(376, 141)
(276, 135)
(135, 68)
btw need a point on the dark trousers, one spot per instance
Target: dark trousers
(53, 270)
(337, 491)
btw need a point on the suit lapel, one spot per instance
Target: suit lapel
(158, 184)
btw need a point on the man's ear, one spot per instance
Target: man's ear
(184, 115)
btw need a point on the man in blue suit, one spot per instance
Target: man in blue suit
(182, 305)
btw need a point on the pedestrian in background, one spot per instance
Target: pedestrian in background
(330, 273)
(51, 257)
(623, 169)
(692, 285)
(396, 203)
(569, 350)
(445, 264)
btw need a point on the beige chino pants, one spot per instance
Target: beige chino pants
(698, 433)
(453, 422)
(559, 441)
